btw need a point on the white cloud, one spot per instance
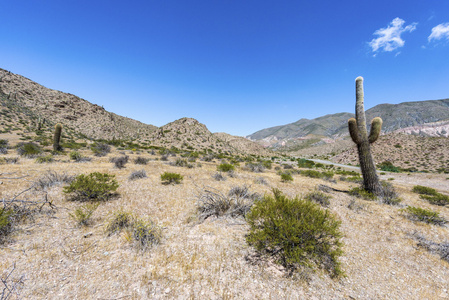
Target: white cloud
(390, 37)
(439, 32)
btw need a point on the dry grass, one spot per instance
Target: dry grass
(210, 259)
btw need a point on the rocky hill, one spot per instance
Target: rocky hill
(91, 120)
(27, 107)
(395, 116)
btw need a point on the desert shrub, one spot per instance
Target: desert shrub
(146, 233)
(120, 161)
(254, 167)
(286, 177)
(311, 173)
(295, 232)
(304, 163)
(424, 190)
(287, 167)
(3, 150)
(219, 176)
(83, 214)
(95, 186)
(388, 194)
(3, 143)
(424, 215)
(261, 180)
(169, 178)
(237, 202)
(318, 197)
(28, 149)
(5, 223)
(438, 199)
(75, 155)
(347, 173)
(225, 167)
(137, 175)
(100, 149)
(360, 192)
(389, 167)
(179, 162)
(141, 160)
(441, 249)
(9, 160)
(44, 159)
(356, 179)
(120, 220)
(164, 157)
(52, 178)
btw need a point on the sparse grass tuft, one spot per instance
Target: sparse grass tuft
(141, 160)
(100, 149)
(237, 202)
(52, 178)
(146, 234)
(424, 190)
(219, 176)
(44, 159)
(137, 175)
(318, 197)
(120, 220)
(359, 192)
(120, 162)
(83, 214)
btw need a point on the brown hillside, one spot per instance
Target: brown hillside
(54, 106)
(405, 151)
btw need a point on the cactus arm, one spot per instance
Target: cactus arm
(353, 131)
(376, 126)
(57, 137)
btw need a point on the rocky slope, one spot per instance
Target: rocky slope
(57, 107)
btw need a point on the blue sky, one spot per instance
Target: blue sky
(236, 66)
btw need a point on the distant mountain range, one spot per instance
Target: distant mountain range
(394, 116)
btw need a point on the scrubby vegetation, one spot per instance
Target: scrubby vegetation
(92, 187)
(424, 215)
(169, 178)
(296, 232)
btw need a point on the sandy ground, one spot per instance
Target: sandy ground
(210, 259)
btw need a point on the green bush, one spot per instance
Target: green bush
(359, 192)
(312, 173)
(424, 215)
(424, 190)
(168, 178)
(95, 186)
(5, 223)
(295, 232)
(438, 199)
(225, 168)
(286, 177)
(389, 167)
(304, 163)
(44, 159)
(82, 214)
(75, 155)
(28, 149)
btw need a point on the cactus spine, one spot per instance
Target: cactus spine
(359, 135)
(57, 138)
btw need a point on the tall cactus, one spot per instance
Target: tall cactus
(359, 134)
(57, 138)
